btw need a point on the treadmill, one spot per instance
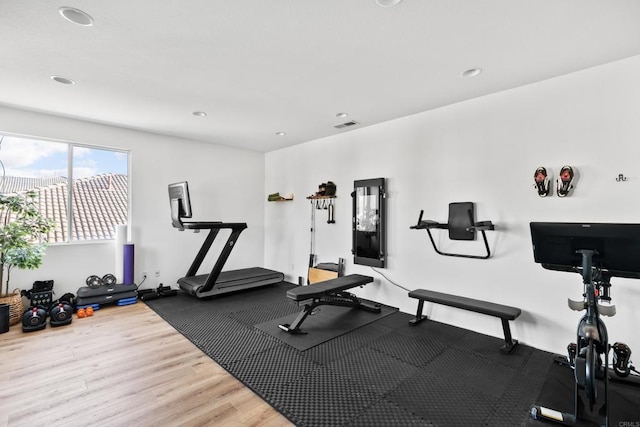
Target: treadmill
(216, 282)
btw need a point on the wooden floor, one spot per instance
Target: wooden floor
(124, 366)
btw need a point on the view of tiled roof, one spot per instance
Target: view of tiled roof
(16, 184)
(99, 204)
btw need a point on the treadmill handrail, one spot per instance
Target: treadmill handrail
(214, 228)
(211, 225)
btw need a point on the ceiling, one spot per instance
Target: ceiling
(259, 67)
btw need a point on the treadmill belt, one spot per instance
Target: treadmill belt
(245, 275)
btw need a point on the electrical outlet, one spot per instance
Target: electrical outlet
(157, 273)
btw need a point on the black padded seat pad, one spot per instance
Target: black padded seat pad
(317, 290)
(492, 309)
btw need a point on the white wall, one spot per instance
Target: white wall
(225, 184)
(485, 151)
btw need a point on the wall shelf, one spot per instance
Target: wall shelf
(321, 197)
(276, 197)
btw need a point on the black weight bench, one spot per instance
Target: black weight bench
(329, 292)
(504, 312)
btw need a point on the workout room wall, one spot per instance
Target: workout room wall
(225, 184)
(484, 150)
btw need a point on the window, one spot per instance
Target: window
(98, 178)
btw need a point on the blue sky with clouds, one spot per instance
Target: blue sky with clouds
(25, 157)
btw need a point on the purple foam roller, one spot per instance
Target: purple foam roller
(128, 264)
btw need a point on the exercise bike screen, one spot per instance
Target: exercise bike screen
(616, 246)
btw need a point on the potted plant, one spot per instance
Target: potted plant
(23, 231)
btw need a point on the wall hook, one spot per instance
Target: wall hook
(621, 178)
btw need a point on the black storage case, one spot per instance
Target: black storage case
(41, 293)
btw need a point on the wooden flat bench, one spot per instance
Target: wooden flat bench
(329, 292)
(504, 312)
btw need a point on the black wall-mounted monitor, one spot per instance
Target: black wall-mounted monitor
(616, 246)
(180, 202)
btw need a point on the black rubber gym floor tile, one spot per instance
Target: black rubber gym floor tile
(538, 363)
(485, 345)
(236, 346)
(514, 405)
(272, 369)
(440, 331)
(524, 389)
(168, 306)
(224, 303)
(443, 402)
(489, 347)
(386, 373)
(505, 416)
(187, 313)
(202, 325)
(417, 351)
(400, 323)
(334, 349)
(386, 414)
(397, 321)
(374, 370)
(261, 314)
(473, 371)
(249, 298)
(323, 398)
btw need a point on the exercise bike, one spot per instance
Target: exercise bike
(591, 346)
(589, 355)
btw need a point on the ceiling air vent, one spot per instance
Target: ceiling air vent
(346, 124)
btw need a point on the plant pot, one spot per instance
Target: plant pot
(15, 306)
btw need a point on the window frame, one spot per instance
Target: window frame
(70, 166)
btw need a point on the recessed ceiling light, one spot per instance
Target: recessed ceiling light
(281, 133)
(387, 3)
(199, 113)
(63, 80)
(342, 115)
(471, 72)
(76, 16)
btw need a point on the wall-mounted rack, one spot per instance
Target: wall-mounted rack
(324, 202)
(321, 202)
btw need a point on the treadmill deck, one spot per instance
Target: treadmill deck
(231, 281)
